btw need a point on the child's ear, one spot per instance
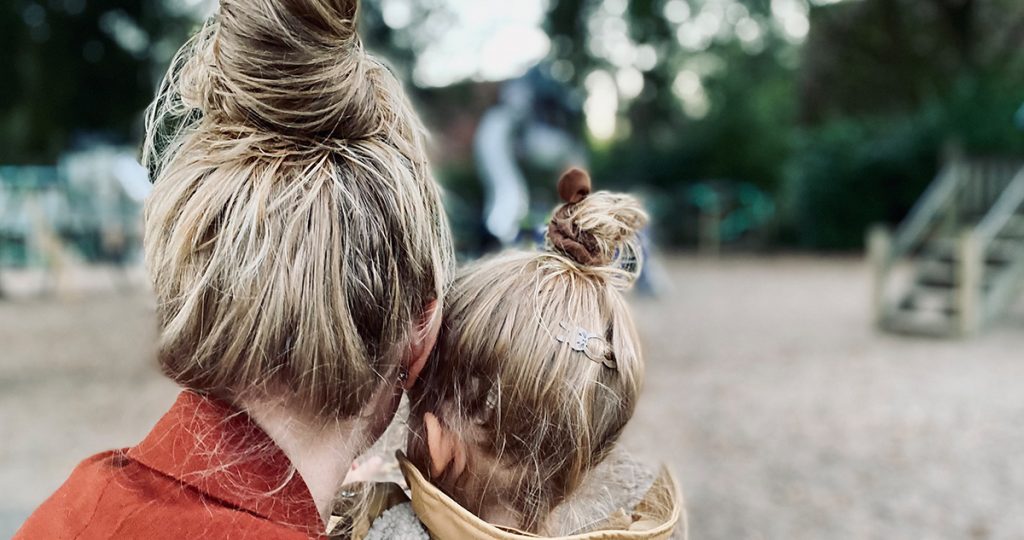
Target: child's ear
(424, 337)
(445, 448)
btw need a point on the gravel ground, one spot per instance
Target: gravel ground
(783, 413)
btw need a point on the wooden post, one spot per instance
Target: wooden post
(710, 229)
(971, 261)
(879, 243)
(953, 160)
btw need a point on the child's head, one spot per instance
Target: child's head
(537, 367)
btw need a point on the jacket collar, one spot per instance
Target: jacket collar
(445, 518)
(220, 451)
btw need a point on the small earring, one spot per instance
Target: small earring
(403, 376)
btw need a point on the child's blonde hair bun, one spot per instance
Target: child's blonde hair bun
(598, 231)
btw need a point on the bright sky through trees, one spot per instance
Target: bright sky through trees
(493, 40)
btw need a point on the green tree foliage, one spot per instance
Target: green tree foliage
(884, 85)
(844, 124)
(76, 68)
(743, 134)
(841, 119)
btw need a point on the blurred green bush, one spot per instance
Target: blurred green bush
(848, 173)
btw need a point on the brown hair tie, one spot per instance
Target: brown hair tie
(565, 237)
(574, 186)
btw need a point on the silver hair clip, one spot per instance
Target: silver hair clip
(579, 339)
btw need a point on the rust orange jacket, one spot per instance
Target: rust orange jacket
(205, 471)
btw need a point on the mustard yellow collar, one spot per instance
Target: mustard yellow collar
(447, 520)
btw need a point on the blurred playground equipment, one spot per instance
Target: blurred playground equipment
(86, 209)
(523, 142)
(726, 212)
(956, 263)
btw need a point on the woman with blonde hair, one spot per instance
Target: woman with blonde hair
(537, 370)
(299, 254)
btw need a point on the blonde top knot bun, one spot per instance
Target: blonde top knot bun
(598, 231)
(295, 229)
(295, 67)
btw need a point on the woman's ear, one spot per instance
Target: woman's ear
(423, 339)
(445, 449)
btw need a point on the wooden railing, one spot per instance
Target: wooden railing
(974, 202)
(983, 308)
(984, 184)
(1003, 210)
(886, 249)
(939, 195)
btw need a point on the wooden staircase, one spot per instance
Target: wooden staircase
(956, 263)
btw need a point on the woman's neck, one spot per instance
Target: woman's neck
(322, 455)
